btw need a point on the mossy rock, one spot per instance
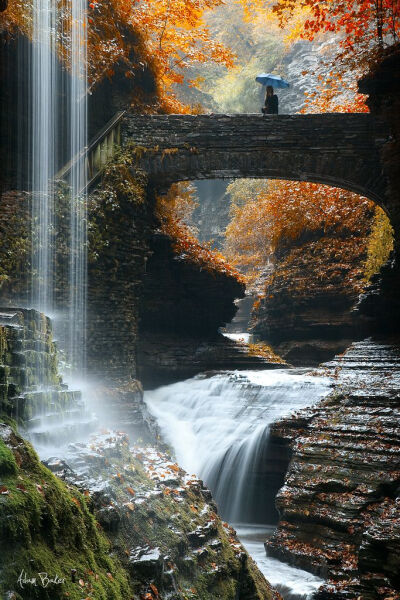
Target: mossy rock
(163, 525)
(46, 528)
(8, 464)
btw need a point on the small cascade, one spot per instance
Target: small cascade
(219, 428)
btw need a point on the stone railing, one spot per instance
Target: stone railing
(99, 151)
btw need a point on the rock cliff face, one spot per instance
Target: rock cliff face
(182, 306)
(380, 305)
(339, 505)
(306, 309)
(196, 299)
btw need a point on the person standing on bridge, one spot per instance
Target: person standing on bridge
(271, 102)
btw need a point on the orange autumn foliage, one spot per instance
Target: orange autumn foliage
(327, 96)
(173, 33)
(173, 210)
(170, 34)
(364, 26)
(285, 213)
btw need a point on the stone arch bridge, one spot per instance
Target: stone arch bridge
(342, 150)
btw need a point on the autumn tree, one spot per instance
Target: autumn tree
(364, 26)
(173, 211)
(288, 213)
(170, 33)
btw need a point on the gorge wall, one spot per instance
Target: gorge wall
(380, 305)
(184, 303)
(339, 503)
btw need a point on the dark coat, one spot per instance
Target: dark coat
(271, 105)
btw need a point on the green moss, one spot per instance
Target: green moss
(7, 460)
(120, 197)
(46, 527)
(380, 243)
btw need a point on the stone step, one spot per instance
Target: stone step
(55, 417)
(62, 434)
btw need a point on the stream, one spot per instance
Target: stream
(218, 427)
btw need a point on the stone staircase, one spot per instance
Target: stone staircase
(31, 389)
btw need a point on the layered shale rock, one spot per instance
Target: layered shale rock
(339, 506)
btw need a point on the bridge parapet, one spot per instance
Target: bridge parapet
(342, 150)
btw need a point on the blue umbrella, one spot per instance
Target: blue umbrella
(274, 80)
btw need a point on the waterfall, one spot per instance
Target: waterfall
(43, 150)
(219, 429)
(78, 181)
(53, 114)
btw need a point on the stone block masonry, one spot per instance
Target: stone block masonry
(342, 150)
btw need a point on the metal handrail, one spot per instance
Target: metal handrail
(98, 152)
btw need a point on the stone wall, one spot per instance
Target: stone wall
(120, 229)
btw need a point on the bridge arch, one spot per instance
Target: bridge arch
(336, 149)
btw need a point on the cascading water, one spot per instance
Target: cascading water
(55, 112)
(218, 426)
(78, 182)
(43, 147)
(219, 429)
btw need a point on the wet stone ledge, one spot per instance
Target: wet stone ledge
(339, 506)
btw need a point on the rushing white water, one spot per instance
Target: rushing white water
(43, 150)
(219, 429)
(78, 181)
(292, 583)
(53, 113)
